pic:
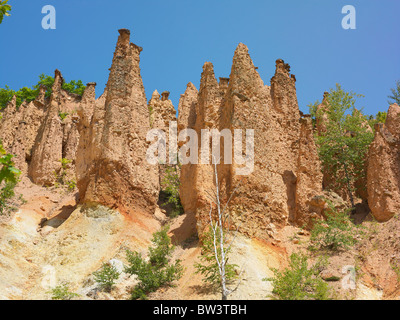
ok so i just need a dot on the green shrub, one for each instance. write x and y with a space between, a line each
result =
62 292
61 176
157 271
71 185
162 249
63 115
335 233
6 193
106 276
8 178
170 186
298 281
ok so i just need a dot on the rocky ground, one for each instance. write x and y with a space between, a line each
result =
50 241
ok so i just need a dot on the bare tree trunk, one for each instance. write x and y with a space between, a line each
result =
221 261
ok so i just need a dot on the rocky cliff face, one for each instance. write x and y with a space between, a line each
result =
42 132
383 173
162 117
309 176
187 120
116 173
57 136
105 139
274 189
284 148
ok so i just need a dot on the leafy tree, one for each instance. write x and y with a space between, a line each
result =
4 9
343 146
8 178
30 94
298 281
73 86
155 272
395 96
106 276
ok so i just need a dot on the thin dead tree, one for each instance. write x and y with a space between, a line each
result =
220 237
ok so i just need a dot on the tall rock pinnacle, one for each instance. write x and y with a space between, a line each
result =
383 173
119 175
270 194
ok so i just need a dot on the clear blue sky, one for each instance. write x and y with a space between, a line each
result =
178 36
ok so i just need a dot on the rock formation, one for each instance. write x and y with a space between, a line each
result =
117 174
187 108
383 174
207 116
106 140
187 120
9 125
161 110
42 132
57 137
32 116
321 116
88 127
162 113
270 195
309 175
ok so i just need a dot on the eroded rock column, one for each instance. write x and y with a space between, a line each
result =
120 176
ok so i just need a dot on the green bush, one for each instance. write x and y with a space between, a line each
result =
106 276
298 281
62 292
6 193
71 185
335 233
63 115
170 186
61 176
8 178
157 271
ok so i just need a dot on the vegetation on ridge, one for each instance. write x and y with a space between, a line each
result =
30 94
